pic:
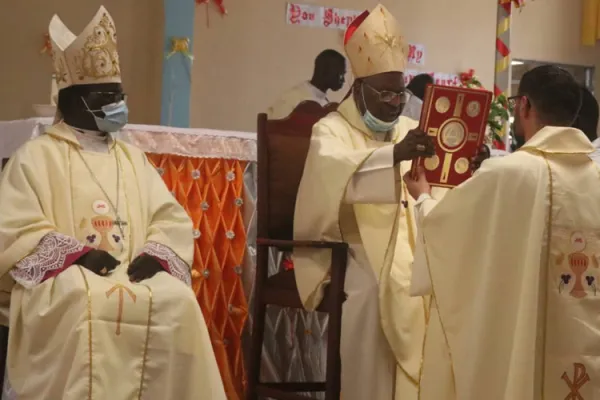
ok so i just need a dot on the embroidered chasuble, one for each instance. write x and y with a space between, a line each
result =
74 334
511 258
382 326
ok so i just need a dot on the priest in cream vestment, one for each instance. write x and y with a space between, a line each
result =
100 251
352 191
511 259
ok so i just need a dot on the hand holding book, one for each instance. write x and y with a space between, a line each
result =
455 119
415 144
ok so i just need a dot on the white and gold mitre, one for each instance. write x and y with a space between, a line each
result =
89 58
374 44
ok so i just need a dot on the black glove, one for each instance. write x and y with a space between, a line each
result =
143 267
98 261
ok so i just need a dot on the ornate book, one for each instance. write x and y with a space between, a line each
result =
456 118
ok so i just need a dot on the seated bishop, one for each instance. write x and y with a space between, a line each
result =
351 190
95 250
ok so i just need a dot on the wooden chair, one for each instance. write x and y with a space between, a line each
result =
282 149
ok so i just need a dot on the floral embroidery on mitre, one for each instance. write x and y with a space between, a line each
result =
177 267
89 58
50 255
99 57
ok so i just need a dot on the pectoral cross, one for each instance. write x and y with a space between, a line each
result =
121 225
119 222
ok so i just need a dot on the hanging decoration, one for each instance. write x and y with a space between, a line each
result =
499 110
180 45
503 56
515 3
219 3
47 47
220 7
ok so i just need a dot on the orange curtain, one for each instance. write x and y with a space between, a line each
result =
211 190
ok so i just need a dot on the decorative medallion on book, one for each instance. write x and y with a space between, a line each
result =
456 119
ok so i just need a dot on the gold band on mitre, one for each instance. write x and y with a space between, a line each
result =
374 44
91 57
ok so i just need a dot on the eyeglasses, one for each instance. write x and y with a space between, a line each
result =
513 101
386 96
103 98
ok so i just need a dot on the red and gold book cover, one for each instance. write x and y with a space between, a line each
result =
456 118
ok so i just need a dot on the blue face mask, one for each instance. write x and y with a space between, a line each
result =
374 123
377 125
115 116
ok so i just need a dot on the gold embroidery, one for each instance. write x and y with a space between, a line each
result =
99 57
60 71
121 289
549 223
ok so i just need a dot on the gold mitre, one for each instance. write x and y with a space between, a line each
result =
89 58
374 44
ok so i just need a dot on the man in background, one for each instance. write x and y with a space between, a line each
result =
511 261
329 74
416 92
587 121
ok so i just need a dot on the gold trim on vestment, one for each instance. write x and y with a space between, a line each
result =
426 312
145 354
548 242
89 320
434 299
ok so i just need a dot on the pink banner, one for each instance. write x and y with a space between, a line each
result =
336 18
440 78
304 15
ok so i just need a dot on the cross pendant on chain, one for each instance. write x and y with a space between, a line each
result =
119 222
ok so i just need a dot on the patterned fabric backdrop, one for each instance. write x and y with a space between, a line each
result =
220 196
211 190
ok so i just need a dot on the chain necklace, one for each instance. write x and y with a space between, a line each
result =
118 221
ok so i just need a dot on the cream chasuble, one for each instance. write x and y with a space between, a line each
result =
79 335
382 326
512 257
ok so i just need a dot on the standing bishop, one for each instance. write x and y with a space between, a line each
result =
352 191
